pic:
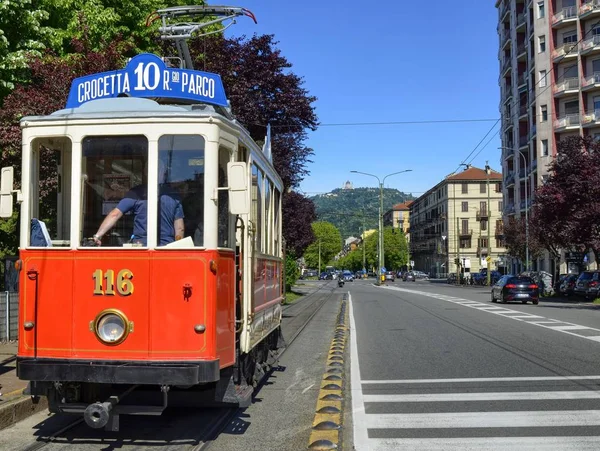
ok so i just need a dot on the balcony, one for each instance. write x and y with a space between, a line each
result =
466 232
590 8
509 209
521 52
521 20
533 132
591 82
591 118
482 250
533 166
523 112
505 65
510 178
523 140
504 9
482 215
566 87
507 153
522 80
564 51
504 37
567 122
591 45
564 17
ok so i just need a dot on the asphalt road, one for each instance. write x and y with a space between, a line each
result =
439 367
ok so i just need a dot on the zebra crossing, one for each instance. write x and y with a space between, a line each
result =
577 330
490 413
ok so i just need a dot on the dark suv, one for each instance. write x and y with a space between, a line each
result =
587 284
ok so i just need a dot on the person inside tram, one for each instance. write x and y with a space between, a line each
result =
170 213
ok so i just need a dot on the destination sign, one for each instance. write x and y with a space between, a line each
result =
146 75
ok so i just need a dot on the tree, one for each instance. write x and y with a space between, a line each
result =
330 244
515 238
298 214
22 34
395 248
566 211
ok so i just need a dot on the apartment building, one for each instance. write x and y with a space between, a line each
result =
399 218
459 218
549 89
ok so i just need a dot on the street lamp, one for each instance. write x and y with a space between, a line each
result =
526 206
380 241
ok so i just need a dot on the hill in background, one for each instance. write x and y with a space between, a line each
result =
347 208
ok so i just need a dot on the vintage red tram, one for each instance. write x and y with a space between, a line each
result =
198 314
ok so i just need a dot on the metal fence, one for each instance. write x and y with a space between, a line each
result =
9 316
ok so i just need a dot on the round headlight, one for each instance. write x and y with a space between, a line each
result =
111 327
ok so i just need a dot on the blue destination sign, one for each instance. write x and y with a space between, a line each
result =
146 75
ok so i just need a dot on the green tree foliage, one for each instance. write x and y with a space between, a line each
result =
353 261
348 209
22 33
331 244
291 272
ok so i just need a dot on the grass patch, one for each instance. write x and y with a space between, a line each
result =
291 297
596 301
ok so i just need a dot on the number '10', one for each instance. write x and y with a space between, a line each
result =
143 77
124 285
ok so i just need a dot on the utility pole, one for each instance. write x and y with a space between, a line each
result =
457 252
319 257
489 221
381 259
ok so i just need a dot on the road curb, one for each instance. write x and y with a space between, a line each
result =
327 423
18 409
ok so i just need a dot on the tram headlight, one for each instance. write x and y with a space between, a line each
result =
111 327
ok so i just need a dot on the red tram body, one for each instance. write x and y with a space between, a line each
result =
200 316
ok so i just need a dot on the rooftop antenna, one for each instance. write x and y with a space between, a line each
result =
179 23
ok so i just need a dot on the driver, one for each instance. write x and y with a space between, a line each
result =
170 213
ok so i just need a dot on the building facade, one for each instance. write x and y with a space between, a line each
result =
399 218
549 53
459 218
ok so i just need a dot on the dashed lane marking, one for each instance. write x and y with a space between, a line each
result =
552 324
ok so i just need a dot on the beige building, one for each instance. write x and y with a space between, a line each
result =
549 89
459 218
399 218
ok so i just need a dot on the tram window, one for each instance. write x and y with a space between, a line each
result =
224 225
268 222
181 182
115 172
257 207
50 192
276 207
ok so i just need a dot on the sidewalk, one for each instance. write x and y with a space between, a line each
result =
14 405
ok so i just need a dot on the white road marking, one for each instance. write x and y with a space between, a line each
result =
518 419
483 379
499 396
308 388
486 444
559 326
359 418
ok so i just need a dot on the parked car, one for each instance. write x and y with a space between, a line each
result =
516 288
567 286
390 276
583 282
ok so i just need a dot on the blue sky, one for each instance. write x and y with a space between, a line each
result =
389 61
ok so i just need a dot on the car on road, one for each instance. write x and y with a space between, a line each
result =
409 276
390 275
515 288
347 276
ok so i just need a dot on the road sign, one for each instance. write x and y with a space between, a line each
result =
488 259
383 270
412 263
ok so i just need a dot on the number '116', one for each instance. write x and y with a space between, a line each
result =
123 284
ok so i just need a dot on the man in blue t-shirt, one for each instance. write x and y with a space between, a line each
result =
170 215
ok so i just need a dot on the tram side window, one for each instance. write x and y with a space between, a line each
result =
115 187
268 219
257 206
181 188
276 208
50 192
224 226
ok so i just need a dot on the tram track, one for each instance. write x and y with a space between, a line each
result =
305 312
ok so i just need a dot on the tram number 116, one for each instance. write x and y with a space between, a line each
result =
123 285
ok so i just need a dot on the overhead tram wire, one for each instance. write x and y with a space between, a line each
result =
478 144
348 124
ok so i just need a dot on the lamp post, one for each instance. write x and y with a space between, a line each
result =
526 207
380 241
